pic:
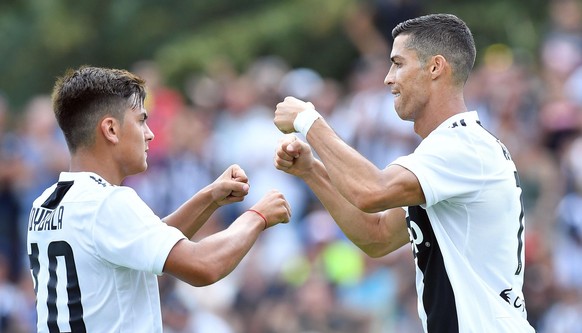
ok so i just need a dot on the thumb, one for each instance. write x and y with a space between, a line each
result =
294 148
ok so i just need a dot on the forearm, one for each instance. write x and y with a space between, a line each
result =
214 257
365 230
192 215
354 177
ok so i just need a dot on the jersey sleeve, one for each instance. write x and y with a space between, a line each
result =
446 166
128 233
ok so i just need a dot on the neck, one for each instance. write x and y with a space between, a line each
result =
439 110
88 161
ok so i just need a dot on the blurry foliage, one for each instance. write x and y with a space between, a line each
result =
304 32
40 39
518 23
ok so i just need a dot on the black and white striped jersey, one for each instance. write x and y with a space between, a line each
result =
468 238
95 250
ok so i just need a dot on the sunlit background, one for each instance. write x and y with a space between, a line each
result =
215 71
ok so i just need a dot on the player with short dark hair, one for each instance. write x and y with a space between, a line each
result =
463 213
95 247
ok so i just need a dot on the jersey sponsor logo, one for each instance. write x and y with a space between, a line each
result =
512 299
42 219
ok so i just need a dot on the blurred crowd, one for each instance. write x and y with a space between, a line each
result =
305 276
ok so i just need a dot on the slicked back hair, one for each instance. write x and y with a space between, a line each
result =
82 97
441 34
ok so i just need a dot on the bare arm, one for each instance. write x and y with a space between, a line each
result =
376 234
356 179
212 258
231 186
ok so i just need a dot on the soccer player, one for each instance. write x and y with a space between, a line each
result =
95 247
456 199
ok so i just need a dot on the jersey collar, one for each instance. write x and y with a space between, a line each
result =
461 119
84 176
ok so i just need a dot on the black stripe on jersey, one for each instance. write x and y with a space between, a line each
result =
55 199
63 249
438 297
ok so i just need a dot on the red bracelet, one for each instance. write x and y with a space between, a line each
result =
261 215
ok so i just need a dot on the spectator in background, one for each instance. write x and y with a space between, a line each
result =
41 154
562 314
244 132
13 303
387 14
504 89
10 167
568 249
188 153
381 135
162 102
165 103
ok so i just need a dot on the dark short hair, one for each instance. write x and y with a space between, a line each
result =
441 34
82 97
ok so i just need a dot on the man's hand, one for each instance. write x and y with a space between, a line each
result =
231 186
293 156
274 207
287 111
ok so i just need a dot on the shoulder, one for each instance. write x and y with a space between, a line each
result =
460 136
122 197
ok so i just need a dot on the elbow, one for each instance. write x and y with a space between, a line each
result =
380 249
368 208
367 202
202 275
374 252
211 273
203 279
376 199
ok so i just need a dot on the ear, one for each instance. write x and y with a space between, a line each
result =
110 129
438 66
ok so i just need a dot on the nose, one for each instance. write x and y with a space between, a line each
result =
149 135
389 79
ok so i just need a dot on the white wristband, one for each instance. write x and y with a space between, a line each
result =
304 120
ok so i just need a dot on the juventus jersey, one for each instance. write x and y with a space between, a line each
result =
468 238
95 250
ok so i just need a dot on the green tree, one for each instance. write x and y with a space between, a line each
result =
40 39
